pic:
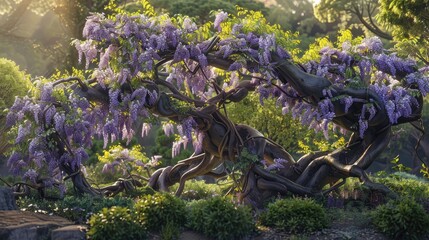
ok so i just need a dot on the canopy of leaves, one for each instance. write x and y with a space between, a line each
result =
409 23
351 12
201 9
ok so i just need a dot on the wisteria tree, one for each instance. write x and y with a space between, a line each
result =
145 67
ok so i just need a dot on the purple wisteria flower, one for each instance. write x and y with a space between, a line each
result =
348 102
114 97
236 28
394 65
155 160
38 158
97 27
188 25
363 126
31 175
282 53
145 129
124 75
175 150
277 164
235 66
168 129
46 94
181 53
421 80
220 17
266 43
198 142
14 158
264 93
188 125
326 109
23 131
373 45
105 57
49 114
109 168
88 49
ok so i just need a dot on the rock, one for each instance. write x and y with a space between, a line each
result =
7 199
73 232
19 225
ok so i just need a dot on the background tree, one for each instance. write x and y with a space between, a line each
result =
41 31
201 9
298 16
409 23
352 12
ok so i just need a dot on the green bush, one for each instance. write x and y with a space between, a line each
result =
406 185
198 189
219 218
115 223
160 210
13 83
295 215
401 219
77 209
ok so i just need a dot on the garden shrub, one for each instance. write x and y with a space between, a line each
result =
295 215
115 223
406 185
74 208
198 189
219 218
13 83
401 219
160 210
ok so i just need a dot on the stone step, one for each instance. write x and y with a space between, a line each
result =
19 225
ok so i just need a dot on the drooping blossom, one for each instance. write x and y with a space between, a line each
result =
220 17
188 124
145 129
277 164
23 131
168 129
31 175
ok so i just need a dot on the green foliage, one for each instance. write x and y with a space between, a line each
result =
77 209
163 145
313 52
401 219
219 218
115 223
121 162
408 21
201 8
399 167
298 16
195 190
351 14
13 83
295 215
160 210
282 129
406 185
